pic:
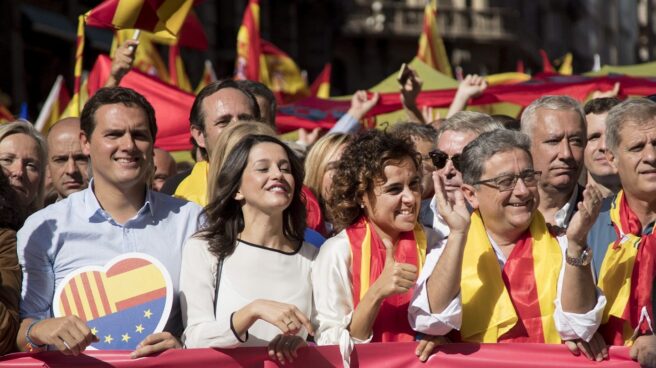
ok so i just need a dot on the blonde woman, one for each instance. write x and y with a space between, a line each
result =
23 158
320 165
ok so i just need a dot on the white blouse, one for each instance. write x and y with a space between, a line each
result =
251 272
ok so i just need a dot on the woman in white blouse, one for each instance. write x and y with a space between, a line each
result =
364 277
254 237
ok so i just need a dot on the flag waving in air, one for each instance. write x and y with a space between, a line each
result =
321 86
431 47
249 50
162 17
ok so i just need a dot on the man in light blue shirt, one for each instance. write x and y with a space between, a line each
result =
117 214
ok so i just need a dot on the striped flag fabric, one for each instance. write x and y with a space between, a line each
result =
321 86
431 46
281 74
54 106
162 17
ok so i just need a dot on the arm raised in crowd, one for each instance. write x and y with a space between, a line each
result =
360 106
410 88
471 86
122 62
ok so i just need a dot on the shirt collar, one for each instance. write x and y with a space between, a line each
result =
92 206
563 215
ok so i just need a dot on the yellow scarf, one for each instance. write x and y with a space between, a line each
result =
488 311
194 187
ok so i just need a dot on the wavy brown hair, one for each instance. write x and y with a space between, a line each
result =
361 169
223 217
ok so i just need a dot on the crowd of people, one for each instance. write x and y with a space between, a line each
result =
472 228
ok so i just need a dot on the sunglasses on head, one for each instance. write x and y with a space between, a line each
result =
440 158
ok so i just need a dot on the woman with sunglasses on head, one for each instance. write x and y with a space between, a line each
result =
245 278
514 268
363 278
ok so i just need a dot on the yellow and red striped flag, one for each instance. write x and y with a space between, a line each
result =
54 106
208 77
431 46
161 17
321 86
249 50
77 72
177 72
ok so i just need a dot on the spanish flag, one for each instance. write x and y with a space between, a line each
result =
54 106
431 47
162 17
249 51
281 74
321 86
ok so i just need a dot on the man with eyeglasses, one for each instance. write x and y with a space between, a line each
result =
452 136
509 282
556 126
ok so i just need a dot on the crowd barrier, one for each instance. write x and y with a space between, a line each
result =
367 355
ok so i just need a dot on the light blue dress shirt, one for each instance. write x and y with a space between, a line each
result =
76 232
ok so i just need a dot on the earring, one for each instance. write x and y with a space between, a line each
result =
361 205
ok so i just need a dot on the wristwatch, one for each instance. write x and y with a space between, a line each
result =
581 261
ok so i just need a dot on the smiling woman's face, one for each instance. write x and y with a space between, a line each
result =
19 158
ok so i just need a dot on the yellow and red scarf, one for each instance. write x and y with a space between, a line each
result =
194 187
626 277
515 304
368 260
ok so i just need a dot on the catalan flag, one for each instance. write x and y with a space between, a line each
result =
208 77
122 305
54 106
321 86
431 46
162 17
248 44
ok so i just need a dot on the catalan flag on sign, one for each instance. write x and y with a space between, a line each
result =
121 305
431 46
321 86
161 17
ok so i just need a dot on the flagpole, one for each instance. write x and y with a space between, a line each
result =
135 36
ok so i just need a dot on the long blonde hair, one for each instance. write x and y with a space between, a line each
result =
25 127
317 160
226 141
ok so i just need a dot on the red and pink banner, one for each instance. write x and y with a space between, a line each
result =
366 355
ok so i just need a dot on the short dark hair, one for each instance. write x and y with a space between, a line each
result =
409 130
115 95
600 105
224 219
259 89
362 166
197 116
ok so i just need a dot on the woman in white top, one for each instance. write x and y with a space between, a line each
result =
255 225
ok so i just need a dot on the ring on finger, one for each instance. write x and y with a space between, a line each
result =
290 322
66 344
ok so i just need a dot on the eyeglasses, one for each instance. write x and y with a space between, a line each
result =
440 158
505 183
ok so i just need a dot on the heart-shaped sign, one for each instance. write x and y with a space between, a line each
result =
122 302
